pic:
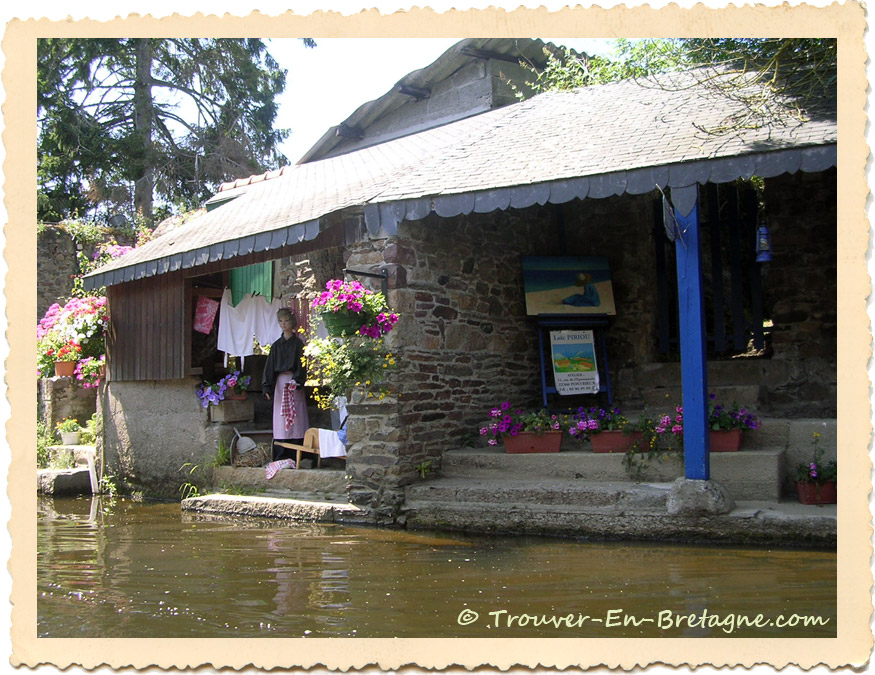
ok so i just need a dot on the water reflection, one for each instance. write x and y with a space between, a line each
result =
146 570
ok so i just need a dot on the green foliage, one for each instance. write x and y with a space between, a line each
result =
68 425
190 488
92 429
44 440
817 471
424 468
107 486
773 79
222 456
111 134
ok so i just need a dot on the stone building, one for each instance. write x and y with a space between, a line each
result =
446 212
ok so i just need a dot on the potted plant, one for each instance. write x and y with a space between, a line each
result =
68 429
348 308
82 322
725 424
232 386
607 429
816 480
66 357
339 365
90 370
523 431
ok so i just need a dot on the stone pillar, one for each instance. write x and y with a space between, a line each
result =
61 397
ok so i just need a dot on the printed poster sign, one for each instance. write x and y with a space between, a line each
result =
574 364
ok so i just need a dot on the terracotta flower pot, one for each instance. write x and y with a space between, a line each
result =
529 441
816 493
726 441
65 368
234 396
614 440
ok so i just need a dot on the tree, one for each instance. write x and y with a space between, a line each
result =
770 77
122 121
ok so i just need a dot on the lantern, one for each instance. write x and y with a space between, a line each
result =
764 244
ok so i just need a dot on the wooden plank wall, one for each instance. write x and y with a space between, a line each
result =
146 338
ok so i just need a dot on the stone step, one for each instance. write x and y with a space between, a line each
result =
542 492
747 474
305 483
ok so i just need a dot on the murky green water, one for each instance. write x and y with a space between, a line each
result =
147 570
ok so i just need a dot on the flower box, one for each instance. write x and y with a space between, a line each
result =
614 440
529 441
233 411
816 493
728 440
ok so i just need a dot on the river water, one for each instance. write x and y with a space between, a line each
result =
148 570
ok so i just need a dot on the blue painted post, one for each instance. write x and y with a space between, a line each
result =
694 369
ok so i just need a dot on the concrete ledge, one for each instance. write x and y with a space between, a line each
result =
749 523
329 482
273 507
63 481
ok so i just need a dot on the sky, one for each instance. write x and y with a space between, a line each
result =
326 84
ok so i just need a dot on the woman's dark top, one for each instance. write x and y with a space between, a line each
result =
285 356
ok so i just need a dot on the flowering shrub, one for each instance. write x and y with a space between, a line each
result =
67 425
586 422
214 393
817 471
338 365
88 370
504 419
71 332
352 297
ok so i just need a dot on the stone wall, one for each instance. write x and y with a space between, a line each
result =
57 265
60 397
800 287
157 427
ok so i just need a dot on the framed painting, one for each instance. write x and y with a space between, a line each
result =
568 285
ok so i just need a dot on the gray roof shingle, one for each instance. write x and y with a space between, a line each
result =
610 139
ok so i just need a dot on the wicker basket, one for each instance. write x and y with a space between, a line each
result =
259 456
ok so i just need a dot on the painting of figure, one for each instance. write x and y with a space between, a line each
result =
568 285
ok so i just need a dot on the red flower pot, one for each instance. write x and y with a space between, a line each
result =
234 396
726 441
614 440
816 493
529 441
65 368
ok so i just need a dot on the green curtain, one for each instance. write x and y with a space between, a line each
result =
256 279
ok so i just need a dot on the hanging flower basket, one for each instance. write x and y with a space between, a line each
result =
341 323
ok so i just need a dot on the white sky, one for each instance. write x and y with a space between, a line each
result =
326 84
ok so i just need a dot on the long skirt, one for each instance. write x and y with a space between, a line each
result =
301 421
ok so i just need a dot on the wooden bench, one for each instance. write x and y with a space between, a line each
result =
310 445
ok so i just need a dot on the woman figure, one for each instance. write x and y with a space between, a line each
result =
283 380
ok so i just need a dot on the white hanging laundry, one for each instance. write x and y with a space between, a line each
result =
267 328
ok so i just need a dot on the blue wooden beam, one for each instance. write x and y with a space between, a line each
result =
694 369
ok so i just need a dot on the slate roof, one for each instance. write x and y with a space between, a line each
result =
592 142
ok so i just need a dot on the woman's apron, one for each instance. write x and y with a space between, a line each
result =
290 418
